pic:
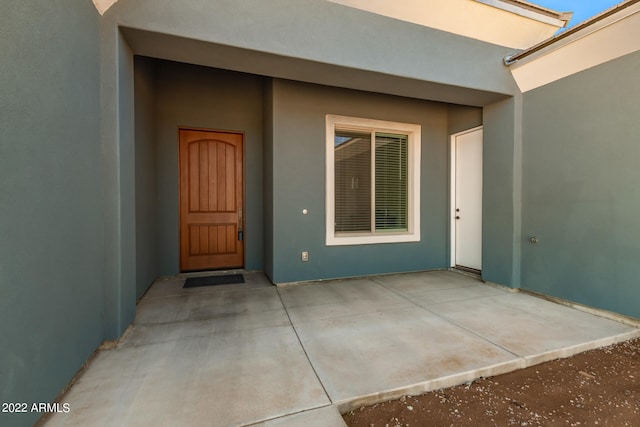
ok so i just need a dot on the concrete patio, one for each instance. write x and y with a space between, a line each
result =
259 355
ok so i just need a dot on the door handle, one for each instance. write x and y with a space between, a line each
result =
240 232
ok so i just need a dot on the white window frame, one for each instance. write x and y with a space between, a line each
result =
413 133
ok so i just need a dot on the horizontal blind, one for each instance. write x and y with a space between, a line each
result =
391 189
352 181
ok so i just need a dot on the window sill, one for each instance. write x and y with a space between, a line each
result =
370 239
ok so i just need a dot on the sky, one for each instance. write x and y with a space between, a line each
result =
582 9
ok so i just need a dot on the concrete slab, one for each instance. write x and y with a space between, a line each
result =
322 417
233 379
143 334
417 282
338 298
473 291
526 325
366 354
202 305
172 286
254 354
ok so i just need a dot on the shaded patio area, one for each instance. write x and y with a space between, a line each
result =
256 354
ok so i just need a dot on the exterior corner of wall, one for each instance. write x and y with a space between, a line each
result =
51 217
579 193
501 194
268 179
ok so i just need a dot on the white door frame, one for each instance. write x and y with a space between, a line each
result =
452 191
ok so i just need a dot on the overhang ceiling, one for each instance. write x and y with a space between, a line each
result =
168 47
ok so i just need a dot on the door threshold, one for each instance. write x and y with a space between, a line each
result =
201 273
468 271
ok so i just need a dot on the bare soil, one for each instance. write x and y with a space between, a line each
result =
599 387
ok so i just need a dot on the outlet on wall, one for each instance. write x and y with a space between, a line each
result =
305 256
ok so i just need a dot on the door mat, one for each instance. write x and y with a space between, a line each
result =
228 279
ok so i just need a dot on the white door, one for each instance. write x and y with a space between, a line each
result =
467 199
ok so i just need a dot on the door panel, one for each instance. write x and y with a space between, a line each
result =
468 199
211 198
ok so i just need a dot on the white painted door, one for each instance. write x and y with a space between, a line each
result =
467 208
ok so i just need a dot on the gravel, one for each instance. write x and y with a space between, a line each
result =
596 388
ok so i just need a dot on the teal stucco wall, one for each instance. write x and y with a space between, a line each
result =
88 156
146 175
268 173
581 199
501 197
51 208
462 118
314 41
298 174
319 42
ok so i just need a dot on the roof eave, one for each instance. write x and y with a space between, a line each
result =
531 11
589 23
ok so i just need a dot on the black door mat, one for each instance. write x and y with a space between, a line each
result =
228 279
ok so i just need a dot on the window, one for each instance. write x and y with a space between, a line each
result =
373 181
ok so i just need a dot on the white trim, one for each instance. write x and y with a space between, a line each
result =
452 200
413 131
603 41
452 191
527 13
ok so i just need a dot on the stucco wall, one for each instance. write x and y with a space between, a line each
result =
305 40
309 40
268 177
461 118
581 197
51 209
501 198
200 97
146 174
299 183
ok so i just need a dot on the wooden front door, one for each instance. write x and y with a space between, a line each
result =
211 200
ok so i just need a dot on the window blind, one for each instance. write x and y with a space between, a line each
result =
352 181
391 189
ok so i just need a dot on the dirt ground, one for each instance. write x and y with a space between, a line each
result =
599 387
